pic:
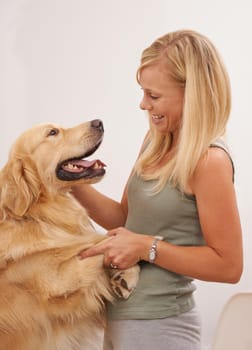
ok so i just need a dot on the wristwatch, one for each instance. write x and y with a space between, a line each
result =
153 249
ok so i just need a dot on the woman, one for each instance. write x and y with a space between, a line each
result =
178 216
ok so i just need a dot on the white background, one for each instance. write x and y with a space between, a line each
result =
68 61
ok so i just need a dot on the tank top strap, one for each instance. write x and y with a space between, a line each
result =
220 143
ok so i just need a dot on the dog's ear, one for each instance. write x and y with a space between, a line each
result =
20 186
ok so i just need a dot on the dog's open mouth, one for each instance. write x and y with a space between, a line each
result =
78 168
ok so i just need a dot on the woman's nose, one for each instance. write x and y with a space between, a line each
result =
145 105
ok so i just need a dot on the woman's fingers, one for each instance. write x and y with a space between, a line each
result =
96 250
113 232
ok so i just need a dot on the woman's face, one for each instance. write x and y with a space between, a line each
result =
162 98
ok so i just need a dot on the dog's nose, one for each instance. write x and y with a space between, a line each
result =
97 124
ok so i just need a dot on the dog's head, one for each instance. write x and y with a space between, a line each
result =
49 158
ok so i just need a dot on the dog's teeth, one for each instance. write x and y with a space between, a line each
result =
96 166
71 166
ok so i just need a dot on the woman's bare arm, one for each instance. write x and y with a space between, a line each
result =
105 211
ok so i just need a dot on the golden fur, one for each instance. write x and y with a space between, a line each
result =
49 298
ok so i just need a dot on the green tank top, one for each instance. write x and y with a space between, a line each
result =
173 215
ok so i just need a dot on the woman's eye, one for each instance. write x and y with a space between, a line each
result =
53 132
153 97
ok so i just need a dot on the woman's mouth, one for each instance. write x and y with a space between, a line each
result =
157 118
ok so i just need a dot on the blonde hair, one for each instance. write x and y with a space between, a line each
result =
193 62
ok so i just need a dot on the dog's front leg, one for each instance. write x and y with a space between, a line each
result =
124 282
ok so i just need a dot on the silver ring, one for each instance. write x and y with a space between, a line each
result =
113 266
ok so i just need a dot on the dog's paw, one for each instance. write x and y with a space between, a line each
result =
123 282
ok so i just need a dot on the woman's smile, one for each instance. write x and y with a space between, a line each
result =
157 119
163 98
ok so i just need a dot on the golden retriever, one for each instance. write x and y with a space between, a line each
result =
49 298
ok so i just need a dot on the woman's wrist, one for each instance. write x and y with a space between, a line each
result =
149 248
153 250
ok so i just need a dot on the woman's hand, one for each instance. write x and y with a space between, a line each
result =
122 249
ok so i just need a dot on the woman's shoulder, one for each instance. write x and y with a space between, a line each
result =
215 166
221 144
215 159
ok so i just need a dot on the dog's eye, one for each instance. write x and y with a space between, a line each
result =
53 132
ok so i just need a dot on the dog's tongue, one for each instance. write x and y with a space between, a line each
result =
84 163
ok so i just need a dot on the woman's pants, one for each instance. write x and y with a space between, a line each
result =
180 332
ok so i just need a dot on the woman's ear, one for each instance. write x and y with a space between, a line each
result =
20 186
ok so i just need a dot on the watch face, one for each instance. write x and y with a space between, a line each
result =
152 255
